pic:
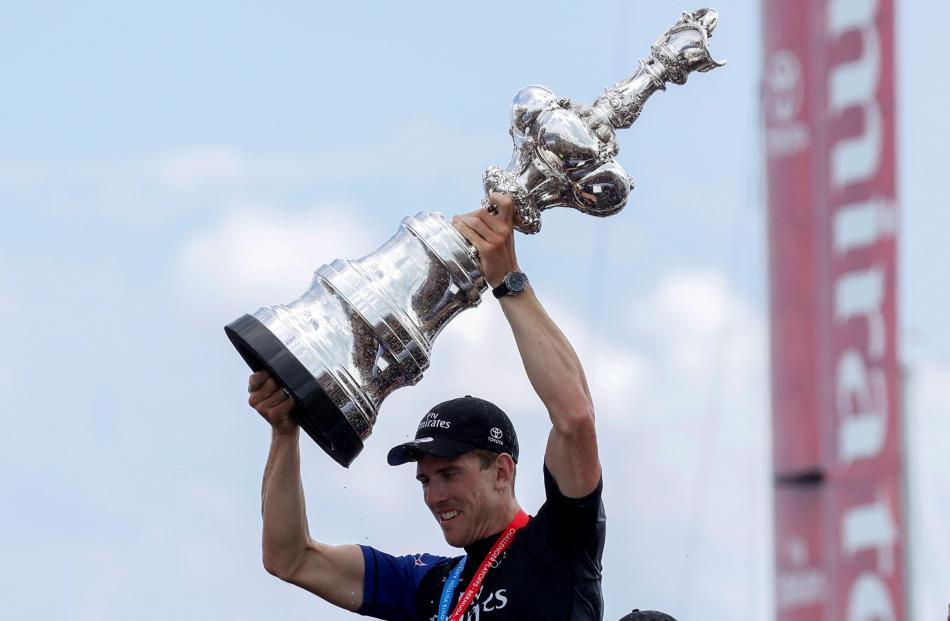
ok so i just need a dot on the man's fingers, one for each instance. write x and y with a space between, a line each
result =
264 392
284 407
270 385
256 380
277 397
479 224
469 233
505 205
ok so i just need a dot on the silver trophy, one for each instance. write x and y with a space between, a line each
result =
366 327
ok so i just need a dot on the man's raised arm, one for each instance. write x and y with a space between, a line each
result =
550 362
335 573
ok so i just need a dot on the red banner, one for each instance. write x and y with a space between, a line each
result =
801 590
791 98
830 142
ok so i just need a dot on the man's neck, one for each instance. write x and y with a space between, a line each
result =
481 546
504 518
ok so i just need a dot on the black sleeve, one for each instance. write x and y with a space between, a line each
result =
570 532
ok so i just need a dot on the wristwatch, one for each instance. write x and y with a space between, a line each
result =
514 283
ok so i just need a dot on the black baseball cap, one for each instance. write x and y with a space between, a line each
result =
456 427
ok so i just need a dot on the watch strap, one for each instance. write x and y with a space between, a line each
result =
503 289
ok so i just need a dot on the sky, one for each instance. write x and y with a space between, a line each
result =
165 169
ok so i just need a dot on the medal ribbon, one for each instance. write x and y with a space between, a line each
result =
504 540
450 583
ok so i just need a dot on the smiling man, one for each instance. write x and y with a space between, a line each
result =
466 453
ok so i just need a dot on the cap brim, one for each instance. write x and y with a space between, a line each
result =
412 451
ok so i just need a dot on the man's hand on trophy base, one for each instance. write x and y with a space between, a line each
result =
271 401
492 235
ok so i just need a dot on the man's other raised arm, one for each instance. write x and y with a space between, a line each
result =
549 360
334 573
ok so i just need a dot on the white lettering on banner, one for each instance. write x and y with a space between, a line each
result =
854 85
861 382
862 224
802 584
861 293
870 600
862 406
799 589
786 134
871 527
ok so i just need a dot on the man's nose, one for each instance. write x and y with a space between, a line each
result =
435 493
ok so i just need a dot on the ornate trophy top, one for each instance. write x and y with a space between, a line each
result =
564 152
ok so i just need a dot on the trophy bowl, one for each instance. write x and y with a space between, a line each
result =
364 328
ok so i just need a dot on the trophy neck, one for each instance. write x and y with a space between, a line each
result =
621 104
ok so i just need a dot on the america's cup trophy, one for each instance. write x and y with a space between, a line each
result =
366 327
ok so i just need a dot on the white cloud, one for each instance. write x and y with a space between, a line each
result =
619 381
259 256
690 486
698 321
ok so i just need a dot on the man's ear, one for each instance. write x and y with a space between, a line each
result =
504 471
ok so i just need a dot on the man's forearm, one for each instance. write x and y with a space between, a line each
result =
557 376
286 535
550 362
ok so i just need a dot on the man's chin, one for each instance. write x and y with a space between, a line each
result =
454 539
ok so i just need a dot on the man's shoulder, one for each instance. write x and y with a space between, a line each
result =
426 562
416 565
567 533
590 505
386 572
391 583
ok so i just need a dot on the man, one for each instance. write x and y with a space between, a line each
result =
465 450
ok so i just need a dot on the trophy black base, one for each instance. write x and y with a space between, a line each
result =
315 412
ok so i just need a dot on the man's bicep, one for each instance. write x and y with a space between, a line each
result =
334 573
573 461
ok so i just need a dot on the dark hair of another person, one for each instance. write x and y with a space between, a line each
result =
647 615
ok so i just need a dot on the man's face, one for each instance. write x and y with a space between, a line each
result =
462 497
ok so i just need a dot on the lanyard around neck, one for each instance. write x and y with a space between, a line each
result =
504 540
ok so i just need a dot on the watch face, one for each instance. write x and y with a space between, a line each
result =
516 281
